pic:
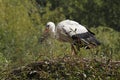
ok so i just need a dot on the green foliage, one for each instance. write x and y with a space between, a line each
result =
109 39
22 23
18 30
91 12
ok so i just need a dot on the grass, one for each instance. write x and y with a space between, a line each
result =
21 26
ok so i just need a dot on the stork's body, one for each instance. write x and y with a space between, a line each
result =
68 28
74 33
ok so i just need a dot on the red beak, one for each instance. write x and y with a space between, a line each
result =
46 30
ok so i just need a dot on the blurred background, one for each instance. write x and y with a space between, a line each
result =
22 23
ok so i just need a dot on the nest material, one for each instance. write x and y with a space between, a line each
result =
67 68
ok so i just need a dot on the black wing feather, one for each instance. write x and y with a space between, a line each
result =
85 39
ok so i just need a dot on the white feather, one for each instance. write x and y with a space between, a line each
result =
71 27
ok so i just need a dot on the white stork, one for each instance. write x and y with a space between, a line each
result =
74 33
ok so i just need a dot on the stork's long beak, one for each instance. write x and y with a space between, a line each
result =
44 35
46 30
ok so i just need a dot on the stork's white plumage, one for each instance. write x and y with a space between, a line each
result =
74 33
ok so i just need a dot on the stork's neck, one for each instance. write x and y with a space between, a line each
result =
53 31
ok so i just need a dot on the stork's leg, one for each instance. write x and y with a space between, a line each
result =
73 50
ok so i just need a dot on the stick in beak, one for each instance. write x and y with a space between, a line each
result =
45 35
46 30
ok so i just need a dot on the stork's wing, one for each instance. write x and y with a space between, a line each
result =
78 33
71 27
90 32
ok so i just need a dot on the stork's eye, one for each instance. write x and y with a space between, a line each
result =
47 25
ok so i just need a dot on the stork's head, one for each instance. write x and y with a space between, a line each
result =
50 27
